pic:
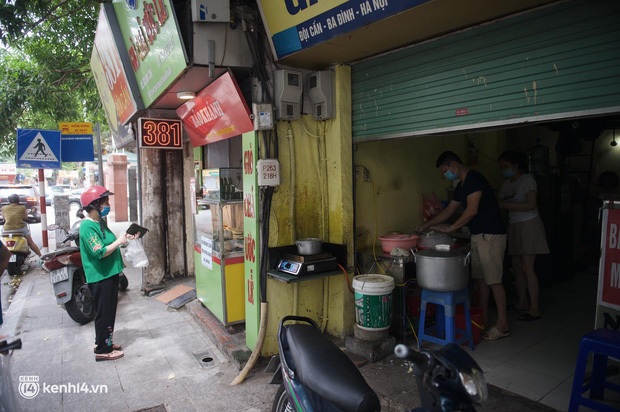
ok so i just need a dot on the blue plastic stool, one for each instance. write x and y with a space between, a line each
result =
444 317
602 343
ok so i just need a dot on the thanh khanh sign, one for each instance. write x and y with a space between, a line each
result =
294 25
153 42
216 113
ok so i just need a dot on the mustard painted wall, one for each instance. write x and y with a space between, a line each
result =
314 199
404 169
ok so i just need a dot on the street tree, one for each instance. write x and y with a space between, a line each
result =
45 66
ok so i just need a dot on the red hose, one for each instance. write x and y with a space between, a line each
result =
347 275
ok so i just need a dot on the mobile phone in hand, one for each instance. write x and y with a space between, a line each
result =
136 229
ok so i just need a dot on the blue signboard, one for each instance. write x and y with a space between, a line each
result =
38 149
299 25
77 148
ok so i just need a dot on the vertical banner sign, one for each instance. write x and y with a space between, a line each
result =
76 142
115 77
250 233
122 135
153 42
608 308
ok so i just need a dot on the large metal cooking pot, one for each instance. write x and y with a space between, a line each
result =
309 246
442 269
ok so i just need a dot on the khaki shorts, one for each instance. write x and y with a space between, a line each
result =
487 257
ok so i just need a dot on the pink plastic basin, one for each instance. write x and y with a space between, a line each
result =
389 242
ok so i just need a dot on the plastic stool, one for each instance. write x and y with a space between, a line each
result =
444 317
602 343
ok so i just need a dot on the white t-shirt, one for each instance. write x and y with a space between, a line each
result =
514 192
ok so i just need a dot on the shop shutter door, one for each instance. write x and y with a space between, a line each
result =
557 62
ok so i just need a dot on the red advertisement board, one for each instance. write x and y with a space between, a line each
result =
609 279
115 76
218 112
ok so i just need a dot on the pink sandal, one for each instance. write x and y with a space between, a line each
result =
115 354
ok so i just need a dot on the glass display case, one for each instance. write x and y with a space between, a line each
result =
222 223
218 239
223 184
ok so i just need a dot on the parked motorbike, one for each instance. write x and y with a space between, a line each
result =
17 244
315 375
448 378
68 279
8 396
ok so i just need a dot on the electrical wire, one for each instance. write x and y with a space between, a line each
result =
348 281
415 335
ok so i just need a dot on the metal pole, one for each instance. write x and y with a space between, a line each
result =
99 151
45 248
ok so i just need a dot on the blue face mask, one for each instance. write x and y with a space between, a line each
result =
449 175
508 173
105 211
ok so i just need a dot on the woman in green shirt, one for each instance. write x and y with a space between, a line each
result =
102 262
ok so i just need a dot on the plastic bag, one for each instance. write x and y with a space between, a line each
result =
430 207
135 254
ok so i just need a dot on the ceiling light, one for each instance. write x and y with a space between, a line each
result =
186 95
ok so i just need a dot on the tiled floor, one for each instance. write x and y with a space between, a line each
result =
538 360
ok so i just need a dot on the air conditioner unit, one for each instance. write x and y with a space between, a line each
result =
211 11
320 90
288 94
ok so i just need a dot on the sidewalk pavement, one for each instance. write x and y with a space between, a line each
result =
160 366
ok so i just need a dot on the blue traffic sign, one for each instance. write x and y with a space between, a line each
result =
77 148
38 149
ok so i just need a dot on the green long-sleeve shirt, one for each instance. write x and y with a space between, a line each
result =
92 248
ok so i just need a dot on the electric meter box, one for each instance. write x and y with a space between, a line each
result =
263 116
320 90
289 89
268 172
211 11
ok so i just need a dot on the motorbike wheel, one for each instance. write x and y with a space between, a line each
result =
14 268
281 402
81 307
123 283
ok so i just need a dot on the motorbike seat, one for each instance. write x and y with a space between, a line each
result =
324 369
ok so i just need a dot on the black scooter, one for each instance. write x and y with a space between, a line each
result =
315 375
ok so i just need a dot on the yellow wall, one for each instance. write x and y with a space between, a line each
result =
314 199
402 170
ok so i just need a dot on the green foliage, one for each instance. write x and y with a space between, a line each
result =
45 66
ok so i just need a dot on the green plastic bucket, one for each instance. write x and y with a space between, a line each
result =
373 301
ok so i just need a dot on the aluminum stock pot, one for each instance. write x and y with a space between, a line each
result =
309 246
442 269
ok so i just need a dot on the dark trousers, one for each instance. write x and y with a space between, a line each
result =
105 299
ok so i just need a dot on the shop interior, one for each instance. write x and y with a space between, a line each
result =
576 165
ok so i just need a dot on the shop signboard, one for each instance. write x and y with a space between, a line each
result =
114 74
218 112
153 42
251 241
76 141
295 25
122 135
608 309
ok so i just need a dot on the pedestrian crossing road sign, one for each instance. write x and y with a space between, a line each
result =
38 149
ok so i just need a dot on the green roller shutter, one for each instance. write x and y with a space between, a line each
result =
557 62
